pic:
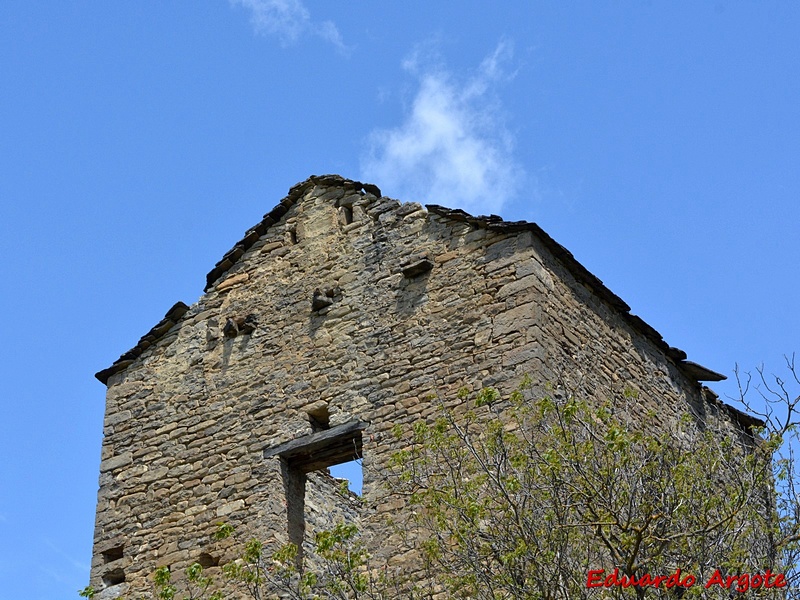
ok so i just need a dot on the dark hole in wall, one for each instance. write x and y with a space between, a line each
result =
347 213
293 236
112 554
206 560
319 417
114 577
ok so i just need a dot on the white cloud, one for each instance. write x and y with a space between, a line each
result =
79 565
452 147
289 20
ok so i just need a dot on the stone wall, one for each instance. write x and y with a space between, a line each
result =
344 306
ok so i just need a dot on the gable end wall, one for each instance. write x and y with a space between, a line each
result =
188 420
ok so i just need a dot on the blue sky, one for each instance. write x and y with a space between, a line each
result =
659 142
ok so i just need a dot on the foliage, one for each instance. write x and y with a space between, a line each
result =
521 498
196 585
341 570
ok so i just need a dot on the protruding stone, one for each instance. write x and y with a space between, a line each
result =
248 325
320 300
231 281
417 267
240 325
231 329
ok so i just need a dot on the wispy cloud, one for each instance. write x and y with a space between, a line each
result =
452 147
289 20
77 564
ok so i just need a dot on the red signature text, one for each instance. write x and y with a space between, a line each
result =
598 578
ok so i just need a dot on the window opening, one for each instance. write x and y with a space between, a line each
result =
315 452
352 472
319 416
205 560
347 214
112 554
114 577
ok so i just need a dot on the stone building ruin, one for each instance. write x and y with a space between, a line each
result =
330 322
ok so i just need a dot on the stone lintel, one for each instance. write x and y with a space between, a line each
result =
322 449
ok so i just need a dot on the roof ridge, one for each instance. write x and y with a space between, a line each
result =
296 192
589 279
491 222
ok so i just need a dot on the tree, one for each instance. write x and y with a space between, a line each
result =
776 401
522 498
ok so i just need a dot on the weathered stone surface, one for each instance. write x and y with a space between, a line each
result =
191 411
516 319
230 507
267 248
115 462
232 281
